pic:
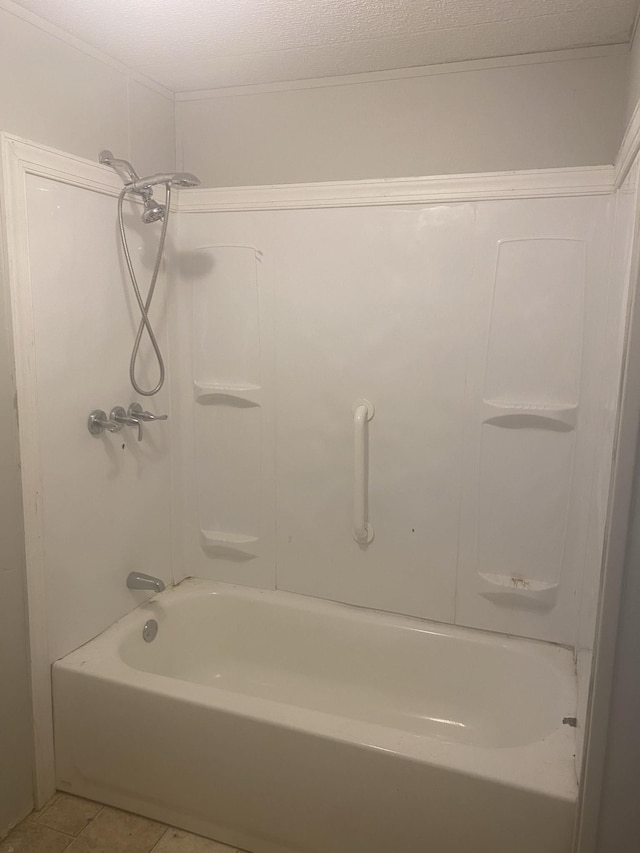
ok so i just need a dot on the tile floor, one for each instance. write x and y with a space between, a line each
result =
80 826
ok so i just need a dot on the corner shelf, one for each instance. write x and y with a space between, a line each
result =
508 587
217 537
233 395
228 546
561 418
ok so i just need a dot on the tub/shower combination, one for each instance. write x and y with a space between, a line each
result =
285 724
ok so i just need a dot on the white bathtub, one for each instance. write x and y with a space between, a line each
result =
284 724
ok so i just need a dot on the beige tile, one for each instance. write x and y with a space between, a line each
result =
30 837
37 813
69 814
178 841
114 831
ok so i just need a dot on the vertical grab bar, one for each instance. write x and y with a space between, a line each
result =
363 411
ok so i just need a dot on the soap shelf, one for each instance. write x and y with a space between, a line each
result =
217 537
508 587
232 395
561 418
228 546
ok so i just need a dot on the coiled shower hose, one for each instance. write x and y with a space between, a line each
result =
145 305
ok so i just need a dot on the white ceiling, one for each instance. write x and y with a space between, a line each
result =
187 45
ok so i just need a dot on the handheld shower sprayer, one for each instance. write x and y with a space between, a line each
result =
133 183
153 211
178 179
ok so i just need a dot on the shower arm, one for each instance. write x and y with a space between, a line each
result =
123 167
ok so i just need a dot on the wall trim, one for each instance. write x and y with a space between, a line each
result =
19 159
32 158
614 558
597 52
629 148
537 183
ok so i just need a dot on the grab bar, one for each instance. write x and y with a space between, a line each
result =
363 411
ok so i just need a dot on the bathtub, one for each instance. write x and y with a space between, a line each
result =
280 723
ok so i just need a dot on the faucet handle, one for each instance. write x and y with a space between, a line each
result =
119 415
135 410
98 422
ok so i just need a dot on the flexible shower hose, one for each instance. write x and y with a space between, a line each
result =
145 305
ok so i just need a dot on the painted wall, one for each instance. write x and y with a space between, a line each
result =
632 94
449 120
619 826
55 92
16 795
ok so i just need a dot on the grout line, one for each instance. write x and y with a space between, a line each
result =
160 839
45 809
95 817
59 831
62 832
71 838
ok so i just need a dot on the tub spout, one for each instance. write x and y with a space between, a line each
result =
138 580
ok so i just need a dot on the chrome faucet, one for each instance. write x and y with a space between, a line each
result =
138 580
134 416
136 412
119 416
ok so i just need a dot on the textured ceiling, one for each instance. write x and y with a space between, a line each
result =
201 44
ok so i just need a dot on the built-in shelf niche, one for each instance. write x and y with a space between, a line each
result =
523 504
529 415
534 347
528 418
228 404
226 394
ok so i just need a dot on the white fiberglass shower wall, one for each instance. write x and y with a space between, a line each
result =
475 329
473 314
94 510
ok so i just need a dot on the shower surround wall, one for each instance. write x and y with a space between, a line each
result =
95 508
475 329
286 306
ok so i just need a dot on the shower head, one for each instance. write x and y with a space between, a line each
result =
176 179
153 210
133 183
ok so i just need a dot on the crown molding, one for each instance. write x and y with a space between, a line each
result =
514 61
538 183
